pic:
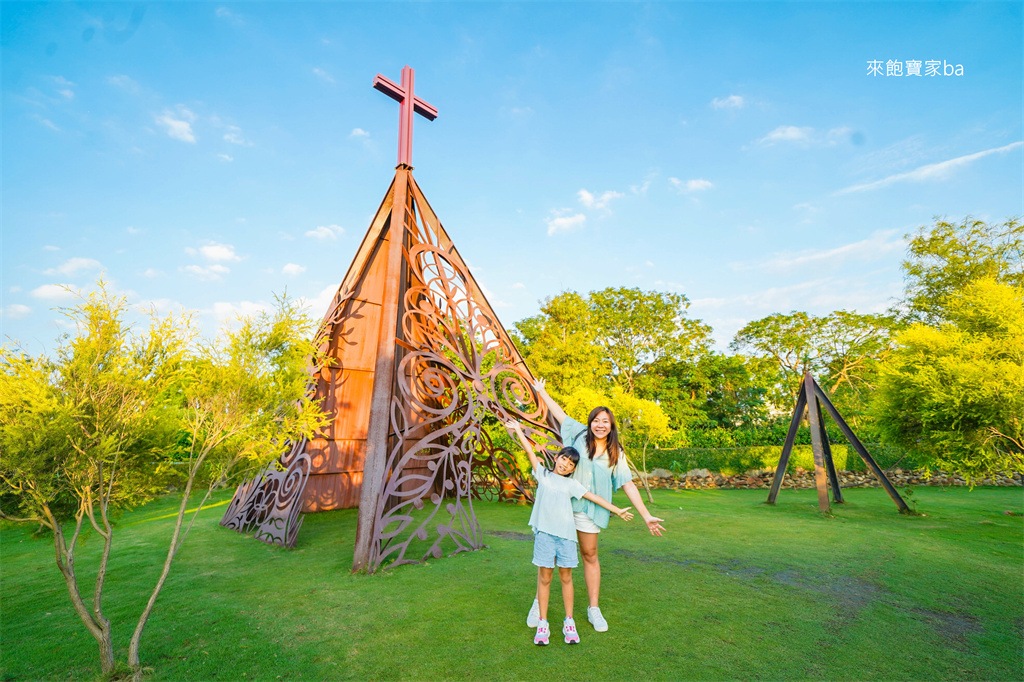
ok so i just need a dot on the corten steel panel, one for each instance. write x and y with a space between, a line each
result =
335 456
345 386
325 492
354 339
352 390
371 285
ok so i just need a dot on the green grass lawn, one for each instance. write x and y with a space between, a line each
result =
735 590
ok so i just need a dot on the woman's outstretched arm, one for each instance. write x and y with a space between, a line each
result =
554 409
653 522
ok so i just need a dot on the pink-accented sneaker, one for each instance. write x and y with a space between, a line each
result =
569 630
543 632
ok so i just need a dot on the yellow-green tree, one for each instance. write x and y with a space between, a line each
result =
99 426
85 433
954 392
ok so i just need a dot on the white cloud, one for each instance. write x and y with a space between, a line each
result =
873 248
932 171
209 273
228 15
326 232
53 292
640 188
597 202
359 133
50 247
788 134
225 311
133 230
730 102
518 285
807 136
318 306
73 266
292 269
226 157
234 136
61 80
179 128
521 112
323 75
152 272
215 252
123 82
837 135
697 185
559 221
15 289
46 122
16 311
68 94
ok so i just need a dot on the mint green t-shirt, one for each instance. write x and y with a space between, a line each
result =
552 505
595 474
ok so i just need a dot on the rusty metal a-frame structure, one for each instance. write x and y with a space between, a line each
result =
412 361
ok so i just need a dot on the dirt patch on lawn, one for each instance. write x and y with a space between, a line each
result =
954 628
509 535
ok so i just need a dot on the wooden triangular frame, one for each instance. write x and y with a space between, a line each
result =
811 397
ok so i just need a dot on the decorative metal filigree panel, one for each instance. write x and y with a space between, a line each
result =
269 504
456 370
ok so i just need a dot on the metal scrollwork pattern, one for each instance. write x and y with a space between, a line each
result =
457 371
269 504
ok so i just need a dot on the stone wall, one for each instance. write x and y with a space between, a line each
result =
801 479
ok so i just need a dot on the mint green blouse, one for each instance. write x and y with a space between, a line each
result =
595 475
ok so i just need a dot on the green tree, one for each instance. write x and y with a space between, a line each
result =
842 349
715 390
246 397
637 329
947 257
78 437
955 392
99 427
558 344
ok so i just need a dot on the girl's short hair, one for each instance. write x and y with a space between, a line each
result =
572 453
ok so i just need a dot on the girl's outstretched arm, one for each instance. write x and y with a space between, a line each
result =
554 409
623 514
516 430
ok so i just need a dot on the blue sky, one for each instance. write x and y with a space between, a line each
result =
210 155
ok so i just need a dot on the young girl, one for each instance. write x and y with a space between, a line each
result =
554 531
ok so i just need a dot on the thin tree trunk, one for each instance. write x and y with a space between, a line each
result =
644 464
65 558
177 538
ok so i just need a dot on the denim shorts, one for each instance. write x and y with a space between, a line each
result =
550 551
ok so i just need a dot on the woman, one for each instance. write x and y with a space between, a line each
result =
602 469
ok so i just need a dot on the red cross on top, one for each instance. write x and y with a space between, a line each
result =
404 95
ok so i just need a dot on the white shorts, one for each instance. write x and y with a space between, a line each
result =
584 523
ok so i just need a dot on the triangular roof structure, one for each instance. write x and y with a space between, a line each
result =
411 361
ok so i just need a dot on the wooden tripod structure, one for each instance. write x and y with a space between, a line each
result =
810 398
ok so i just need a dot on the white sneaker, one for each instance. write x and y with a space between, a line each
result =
533 618
596 619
